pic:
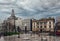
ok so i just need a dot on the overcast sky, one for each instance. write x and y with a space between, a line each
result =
30 8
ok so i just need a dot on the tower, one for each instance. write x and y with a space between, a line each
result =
12 14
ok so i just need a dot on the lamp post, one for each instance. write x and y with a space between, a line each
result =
25 28
19 30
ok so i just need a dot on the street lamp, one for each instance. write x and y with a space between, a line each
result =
19 30
25 28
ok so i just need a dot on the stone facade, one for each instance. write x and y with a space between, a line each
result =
9 24
45 24
28 24
24 22
18 22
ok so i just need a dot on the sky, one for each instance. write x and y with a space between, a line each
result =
30 8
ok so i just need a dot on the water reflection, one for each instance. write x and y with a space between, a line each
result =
2 39
34 37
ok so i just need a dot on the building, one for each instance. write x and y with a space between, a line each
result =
58 19
18 23
28 24
45 24
9 24
24 22
13 22
1 31
4 26
58 24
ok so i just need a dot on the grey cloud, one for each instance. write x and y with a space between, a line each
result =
31 8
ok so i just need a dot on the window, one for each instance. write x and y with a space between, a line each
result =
49 22
40 22
50 26
37 23
40 26
44 26
37 26
44 22
34 23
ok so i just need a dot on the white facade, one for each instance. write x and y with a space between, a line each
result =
18 22
52 25
22 23
28 24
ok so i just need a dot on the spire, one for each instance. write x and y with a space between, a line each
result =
12 13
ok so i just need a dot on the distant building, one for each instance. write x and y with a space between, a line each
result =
9 24
45 24
24 22
4 26
28 24
58 24
18 22
1 28
58 19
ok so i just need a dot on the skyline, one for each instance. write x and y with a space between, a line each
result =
30 8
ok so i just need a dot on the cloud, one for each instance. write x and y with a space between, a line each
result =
30 8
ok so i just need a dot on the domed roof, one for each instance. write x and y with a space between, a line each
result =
12 15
